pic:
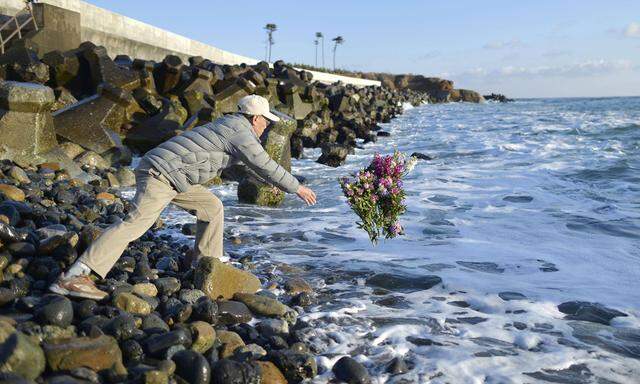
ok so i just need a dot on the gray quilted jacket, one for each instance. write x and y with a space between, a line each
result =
196 156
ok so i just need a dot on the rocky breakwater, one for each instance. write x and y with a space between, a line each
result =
163 322
113 108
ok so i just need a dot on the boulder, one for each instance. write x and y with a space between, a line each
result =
233 372
296 367
192 367
131 303
95 353
270 374
230 341
586 311
265 306
10 192
203 336
158 128
350 371
26 125
333 155
20 355
217 279
109 109
276 143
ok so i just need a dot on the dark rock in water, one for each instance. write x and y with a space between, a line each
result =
333 155
11 213
350 371
459 303
192 367
620 340
397 366
296 367
383 134
509 296
233 312
481 266
518 199
467 320
232 372
394 302
402 283
421 156
303 299
575 374
586 311
55 310
422 341
519 325
189 229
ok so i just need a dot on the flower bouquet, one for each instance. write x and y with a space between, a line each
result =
376 195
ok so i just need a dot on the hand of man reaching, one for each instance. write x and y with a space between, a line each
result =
307 195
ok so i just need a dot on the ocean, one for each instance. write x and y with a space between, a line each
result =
525 206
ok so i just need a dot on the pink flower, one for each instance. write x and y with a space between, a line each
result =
395 191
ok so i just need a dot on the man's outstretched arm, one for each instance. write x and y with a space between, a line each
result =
250 152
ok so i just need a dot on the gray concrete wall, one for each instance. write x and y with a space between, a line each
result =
124 35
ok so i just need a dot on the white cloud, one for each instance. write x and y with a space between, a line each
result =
583 69
632 30
513 43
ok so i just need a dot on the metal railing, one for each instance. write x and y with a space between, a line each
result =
13 21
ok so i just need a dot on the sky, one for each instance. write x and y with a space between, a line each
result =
541 48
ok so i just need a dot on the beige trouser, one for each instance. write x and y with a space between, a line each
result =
153 194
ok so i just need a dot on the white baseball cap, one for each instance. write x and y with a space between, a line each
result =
256 105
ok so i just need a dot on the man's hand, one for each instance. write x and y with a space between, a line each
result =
307 195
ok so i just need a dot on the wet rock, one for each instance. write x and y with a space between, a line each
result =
511 296
217 279
350 371
421 156
203 336
190 296
98 354
19 175
333 155
167 285
126 177
206 310
297 285
20 355
147 289
397 366
192 367
11 193
586 311
296 367
232 372
71 150
273 327
487 267
154 324
92 159
623 341
132 304
266 306
270 374
159 343
55 310
230 342
122 327
575 374
403 283
233 312
394 302
303 299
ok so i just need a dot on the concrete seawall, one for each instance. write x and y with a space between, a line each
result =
127 36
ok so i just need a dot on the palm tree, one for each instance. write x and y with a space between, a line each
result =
316 41
319 36
270 28
337 41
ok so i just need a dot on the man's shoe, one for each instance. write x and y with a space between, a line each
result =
77 286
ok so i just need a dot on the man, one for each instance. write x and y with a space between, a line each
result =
173 173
